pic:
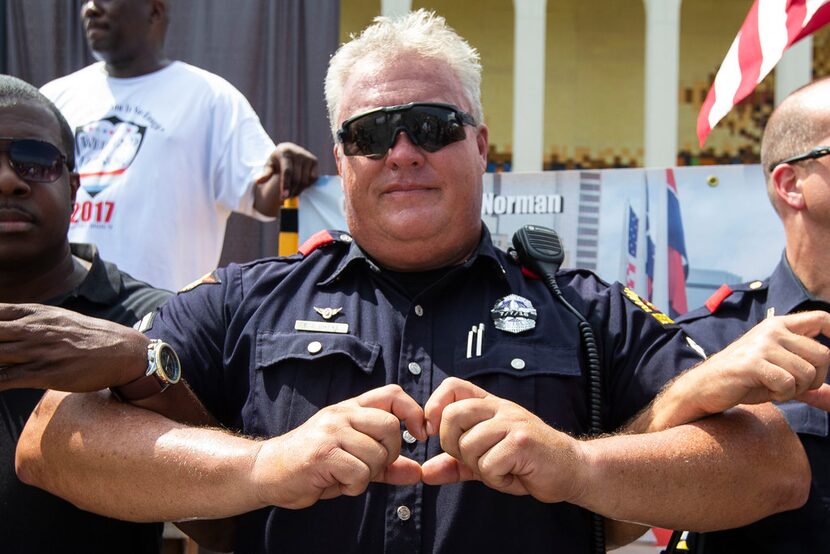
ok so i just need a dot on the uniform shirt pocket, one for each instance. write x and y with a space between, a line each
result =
544 379
519 359
273 348
297 374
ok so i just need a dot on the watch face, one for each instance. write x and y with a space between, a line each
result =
169 363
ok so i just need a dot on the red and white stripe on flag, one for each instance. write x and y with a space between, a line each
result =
769 29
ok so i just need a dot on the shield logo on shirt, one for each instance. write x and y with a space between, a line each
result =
105 149
514 314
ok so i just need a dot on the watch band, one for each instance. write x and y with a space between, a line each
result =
143 387
152 382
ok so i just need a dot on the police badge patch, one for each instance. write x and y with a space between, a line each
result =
514 314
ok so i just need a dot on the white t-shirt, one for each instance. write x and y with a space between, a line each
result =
164 159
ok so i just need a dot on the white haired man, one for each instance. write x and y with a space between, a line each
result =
312 363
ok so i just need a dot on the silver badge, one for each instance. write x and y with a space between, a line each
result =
327 313
514 314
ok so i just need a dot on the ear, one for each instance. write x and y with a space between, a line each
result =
482 142
337 157
74 185
158 11
786 186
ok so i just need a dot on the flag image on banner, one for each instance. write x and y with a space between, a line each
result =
632 264
650 248
770 27
678 262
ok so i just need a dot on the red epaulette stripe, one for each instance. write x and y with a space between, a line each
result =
315 241
715 300
527 273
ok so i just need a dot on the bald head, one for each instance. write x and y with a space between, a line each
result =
797 124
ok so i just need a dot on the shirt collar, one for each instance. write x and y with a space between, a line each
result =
485 254
786 292
102 283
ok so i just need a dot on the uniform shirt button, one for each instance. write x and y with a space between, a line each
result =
414 368
517 363
419 311
408 438
404 513
314 347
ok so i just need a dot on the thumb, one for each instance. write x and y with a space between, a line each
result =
444 469
266 173
819 398
403 471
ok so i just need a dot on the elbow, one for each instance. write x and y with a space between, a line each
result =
29 461
796 489
26 460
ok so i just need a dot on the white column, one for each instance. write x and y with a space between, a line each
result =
795 69
395 8
529 85
661 90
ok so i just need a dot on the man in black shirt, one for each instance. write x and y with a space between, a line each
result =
38 265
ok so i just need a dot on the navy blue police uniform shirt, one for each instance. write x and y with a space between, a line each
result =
242 353
730 313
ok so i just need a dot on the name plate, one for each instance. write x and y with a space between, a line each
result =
321 326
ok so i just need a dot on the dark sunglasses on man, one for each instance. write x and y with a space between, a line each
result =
430 125
33 160
815 153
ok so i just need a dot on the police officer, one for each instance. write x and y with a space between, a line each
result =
794 154
313 361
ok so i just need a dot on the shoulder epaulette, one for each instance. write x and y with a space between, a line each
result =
717 298
322 238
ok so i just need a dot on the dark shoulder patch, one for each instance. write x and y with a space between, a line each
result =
206 279
714 301
647 307
323 238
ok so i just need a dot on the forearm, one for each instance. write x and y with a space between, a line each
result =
677 404
721 472
132 464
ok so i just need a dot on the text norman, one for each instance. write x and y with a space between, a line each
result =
521 204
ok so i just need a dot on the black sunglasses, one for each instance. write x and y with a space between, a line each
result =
815 153
430 125
35 161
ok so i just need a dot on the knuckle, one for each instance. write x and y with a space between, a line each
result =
393 388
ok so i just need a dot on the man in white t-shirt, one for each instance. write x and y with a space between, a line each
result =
166 151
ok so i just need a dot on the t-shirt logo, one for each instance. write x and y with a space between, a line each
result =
105 149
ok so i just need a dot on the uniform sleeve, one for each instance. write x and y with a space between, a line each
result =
239 149
640 349
194 323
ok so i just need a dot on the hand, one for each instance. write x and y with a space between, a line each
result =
498 442
45 347
292 167
778 359
340 450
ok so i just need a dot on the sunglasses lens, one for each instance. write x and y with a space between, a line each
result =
368 135
430 127
36 161
434 128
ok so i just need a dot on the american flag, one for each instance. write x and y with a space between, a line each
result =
650 249
633 236
678 261
769 29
